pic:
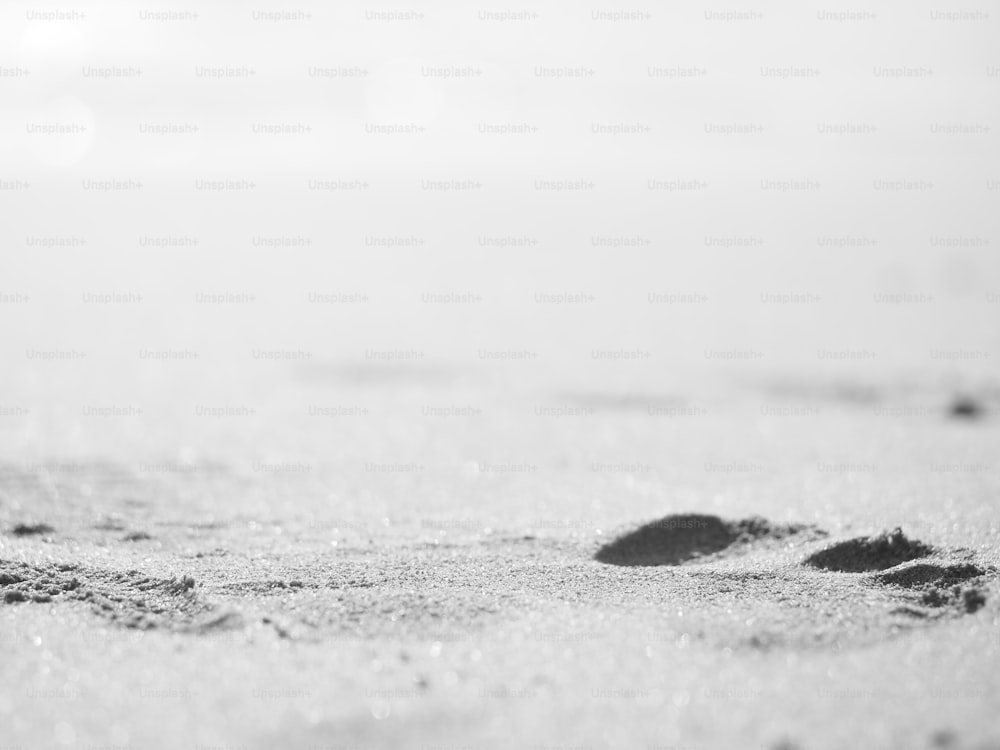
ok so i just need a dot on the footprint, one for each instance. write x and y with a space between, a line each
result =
864 554
921 574
955 585
127 598
927 587
966 407
939 582
137 536
861 584
31 529
681 538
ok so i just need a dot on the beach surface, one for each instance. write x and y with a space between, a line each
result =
457 377
467 564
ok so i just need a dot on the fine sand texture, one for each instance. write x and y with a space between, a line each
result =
544 569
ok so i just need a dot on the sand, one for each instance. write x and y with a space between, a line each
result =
609 582
550 376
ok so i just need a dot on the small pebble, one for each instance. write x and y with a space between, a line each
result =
966 408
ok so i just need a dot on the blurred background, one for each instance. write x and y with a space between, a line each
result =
215 219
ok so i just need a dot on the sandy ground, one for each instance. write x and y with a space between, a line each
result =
520 568
453 376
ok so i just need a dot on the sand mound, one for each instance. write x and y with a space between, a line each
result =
863 554
680 538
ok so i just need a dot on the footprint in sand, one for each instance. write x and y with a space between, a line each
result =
869 553
749 581
678 539
911 578
128 598
928 576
